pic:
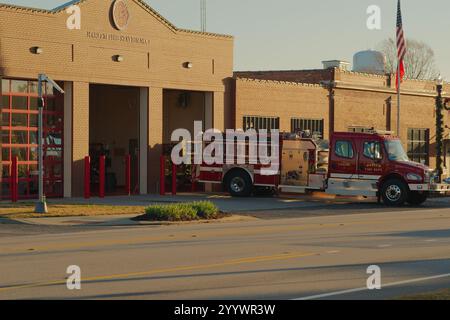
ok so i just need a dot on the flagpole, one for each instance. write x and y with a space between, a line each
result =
398 99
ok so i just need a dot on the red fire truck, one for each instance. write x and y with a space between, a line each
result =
351 164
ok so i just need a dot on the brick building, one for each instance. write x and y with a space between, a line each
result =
334 99
131 77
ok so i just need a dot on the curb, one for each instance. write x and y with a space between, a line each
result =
127 222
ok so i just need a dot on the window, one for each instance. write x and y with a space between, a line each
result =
18 117
344 149
419 145
395 150
258 123
360 129
372 150
313 125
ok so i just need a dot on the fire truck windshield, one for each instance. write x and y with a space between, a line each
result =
395 150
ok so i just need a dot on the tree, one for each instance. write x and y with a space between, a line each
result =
419 61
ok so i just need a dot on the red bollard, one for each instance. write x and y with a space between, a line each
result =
14 180
193 179
128 174
101 178
162 176
136 189
174 179
87 177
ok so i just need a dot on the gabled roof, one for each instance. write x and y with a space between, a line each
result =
142 3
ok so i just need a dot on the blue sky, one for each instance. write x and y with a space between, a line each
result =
299 34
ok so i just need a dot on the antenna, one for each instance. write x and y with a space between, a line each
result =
203 15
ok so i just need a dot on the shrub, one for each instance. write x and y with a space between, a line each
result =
171 212
182 211
206 209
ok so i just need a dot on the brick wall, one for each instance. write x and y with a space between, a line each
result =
73 55
303 76
155 138
278 99
360 100
80 135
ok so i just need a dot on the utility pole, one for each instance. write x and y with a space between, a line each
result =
41 205
398 100
203 15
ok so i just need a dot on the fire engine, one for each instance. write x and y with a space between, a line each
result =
372 164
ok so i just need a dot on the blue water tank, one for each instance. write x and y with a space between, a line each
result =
369 61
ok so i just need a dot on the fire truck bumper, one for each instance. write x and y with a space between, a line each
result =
441 188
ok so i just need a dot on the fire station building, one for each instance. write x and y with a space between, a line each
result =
131 77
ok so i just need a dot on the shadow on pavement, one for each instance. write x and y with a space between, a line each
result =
407 270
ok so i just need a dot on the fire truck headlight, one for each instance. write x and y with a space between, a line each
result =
428 175
413 177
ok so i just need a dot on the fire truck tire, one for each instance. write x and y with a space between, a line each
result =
394 192
416 198
239 183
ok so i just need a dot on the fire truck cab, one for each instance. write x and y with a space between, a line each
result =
351 164
375 164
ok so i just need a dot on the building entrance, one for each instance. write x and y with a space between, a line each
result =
114 134
181 109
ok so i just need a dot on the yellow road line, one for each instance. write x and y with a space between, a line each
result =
226 263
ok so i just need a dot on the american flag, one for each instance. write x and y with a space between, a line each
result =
401 45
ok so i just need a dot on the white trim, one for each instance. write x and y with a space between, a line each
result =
352 187
343 176
314 188
211 169
293 189
355 176
418 187
209 181
430 187
369 177
68 106
259 172
440 187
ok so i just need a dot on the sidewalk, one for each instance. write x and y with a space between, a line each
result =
225 202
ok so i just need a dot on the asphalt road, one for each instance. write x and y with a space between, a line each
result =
287 254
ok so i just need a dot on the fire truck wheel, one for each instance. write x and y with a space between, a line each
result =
239 184
394 192
416 198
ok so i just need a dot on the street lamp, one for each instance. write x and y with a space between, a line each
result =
41 205
439 128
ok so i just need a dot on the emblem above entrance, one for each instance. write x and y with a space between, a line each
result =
120 14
